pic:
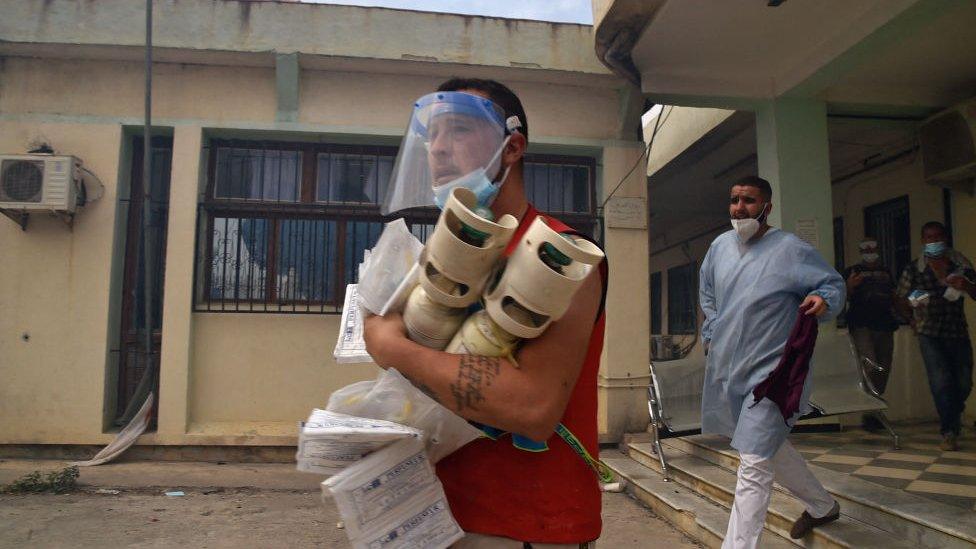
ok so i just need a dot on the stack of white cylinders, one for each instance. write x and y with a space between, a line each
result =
454 268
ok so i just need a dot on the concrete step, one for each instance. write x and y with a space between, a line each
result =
718 485
701 519
919 521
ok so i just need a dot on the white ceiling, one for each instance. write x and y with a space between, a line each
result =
744 48
934 66
689 195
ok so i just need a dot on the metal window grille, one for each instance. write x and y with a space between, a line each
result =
283 226
564 187
681 300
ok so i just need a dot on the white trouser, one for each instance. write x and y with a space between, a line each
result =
754 488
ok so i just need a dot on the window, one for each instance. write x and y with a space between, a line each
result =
656 303
563 186
287 224
889 224
284 225
682 305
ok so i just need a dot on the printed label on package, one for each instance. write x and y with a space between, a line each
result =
391 488
432 527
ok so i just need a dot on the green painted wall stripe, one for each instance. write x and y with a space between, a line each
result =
286 85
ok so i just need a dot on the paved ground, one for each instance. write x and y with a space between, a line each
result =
233 505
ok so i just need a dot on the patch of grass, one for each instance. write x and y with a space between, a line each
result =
36 482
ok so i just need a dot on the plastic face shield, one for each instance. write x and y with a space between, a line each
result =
450 135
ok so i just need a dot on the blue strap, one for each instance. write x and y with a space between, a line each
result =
529 445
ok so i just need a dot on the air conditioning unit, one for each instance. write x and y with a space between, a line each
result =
948 145
40 183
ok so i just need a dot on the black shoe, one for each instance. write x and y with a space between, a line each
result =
950 443
805 523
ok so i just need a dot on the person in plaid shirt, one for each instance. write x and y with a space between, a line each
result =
934 286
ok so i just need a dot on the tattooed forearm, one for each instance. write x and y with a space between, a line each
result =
427 391
423 388
475 373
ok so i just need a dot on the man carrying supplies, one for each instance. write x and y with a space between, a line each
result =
754 281
473 133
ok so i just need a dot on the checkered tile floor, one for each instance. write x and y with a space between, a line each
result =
919 467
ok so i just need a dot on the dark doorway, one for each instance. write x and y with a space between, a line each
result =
889 224
132 356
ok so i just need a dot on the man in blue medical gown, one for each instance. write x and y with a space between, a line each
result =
754 280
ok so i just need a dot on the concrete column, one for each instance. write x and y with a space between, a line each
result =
793 155
623 370
177 344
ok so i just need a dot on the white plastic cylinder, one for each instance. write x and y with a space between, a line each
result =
480 335
449 255
531 294
429 323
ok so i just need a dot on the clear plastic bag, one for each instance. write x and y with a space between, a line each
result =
387 265
392 398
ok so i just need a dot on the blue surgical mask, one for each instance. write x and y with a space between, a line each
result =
935 249
477 182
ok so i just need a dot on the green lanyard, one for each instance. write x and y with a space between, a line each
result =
600 468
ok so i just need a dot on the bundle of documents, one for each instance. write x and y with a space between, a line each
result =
328 442
392 499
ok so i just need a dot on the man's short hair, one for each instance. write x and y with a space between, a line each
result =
935 225
765 189
497 92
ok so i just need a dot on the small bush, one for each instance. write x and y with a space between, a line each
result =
34 483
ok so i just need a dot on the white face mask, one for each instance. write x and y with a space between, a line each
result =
748 227
869 258
476 181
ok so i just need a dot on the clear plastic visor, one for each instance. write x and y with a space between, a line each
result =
450 134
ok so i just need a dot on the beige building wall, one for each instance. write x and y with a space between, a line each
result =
240 379
54 310
257 374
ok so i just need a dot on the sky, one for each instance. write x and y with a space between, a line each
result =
561 11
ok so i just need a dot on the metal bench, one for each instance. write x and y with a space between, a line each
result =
840 386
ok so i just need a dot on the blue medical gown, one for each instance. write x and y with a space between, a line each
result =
750 295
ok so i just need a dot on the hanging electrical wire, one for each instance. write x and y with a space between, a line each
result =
658 125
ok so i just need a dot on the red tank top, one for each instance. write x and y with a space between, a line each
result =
494 488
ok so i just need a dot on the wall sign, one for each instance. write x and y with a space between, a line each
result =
807 230
626 213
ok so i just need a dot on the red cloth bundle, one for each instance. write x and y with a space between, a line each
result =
784 386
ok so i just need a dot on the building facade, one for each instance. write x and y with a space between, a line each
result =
274 127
